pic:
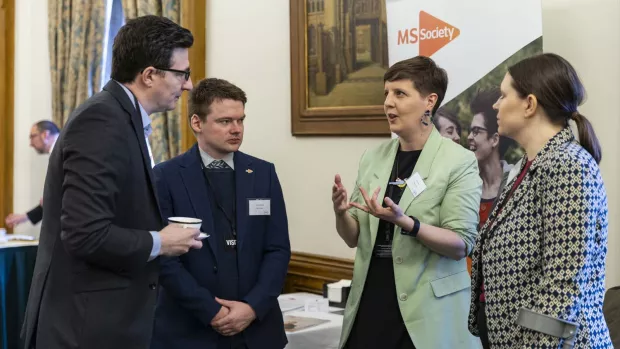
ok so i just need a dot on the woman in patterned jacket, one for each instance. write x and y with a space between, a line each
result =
544 245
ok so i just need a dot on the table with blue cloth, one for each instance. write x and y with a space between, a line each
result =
16 267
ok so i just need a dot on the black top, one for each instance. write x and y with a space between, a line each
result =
379 323
221 184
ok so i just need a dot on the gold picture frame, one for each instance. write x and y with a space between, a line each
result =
337 65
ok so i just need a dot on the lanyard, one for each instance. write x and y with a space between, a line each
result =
232 221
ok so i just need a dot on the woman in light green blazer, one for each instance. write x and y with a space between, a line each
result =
413 217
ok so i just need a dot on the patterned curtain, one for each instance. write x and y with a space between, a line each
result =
166 137
76 31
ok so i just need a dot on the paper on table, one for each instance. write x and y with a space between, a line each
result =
298 323
16 237
290 303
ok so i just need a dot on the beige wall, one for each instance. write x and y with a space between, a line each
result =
587 33
248 44
32 103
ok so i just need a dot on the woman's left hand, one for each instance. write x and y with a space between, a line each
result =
390 213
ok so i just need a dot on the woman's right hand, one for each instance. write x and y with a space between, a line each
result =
339 197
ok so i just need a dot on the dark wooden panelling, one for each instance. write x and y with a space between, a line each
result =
308 272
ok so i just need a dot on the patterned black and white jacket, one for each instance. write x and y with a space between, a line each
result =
544 249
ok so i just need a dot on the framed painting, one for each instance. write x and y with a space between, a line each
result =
339 53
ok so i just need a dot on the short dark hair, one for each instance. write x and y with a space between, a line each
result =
482 103
426 75
559 91
146 41
443 112
209 90
47 125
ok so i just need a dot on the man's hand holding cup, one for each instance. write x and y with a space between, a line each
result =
181 234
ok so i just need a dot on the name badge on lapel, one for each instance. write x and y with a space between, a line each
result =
260 207
416 185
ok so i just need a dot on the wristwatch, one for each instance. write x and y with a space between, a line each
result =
416 228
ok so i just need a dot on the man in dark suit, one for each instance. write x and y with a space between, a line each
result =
224 295
95 281
43 136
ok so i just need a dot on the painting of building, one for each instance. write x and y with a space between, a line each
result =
347 55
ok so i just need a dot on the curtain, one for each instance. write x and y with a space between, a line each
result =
166 137
76 35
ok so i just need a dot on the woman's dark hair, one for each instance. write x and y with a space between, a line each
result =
556 85
483 104
427 77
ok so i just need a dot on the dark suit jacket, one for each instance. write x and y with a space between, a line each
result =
35 215
186 304
92 285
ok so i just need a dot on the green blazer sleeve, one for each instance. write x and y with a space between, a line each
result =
459 209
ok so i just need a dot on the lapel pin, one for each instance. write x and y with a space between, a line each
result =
249 170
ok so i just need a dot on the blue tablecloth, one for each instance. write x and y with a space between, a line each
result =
16 268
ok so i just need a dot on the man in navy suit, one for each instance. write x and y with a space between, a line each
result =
225 295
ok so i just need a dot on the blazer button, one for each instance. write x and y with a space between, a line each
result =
153 286
403 297
215 269
399 260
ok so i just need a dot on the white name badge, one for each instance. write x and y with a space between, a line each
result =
260 207
416 184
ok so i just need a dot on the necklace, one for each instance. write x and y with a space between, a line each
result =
398 182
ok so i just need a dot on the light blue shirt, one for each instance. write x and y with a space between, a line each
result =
146 124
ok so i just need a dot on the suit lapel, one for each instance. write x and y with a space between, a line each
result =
380 179
136 121
244 183
503 195
506 202
194 181
422 166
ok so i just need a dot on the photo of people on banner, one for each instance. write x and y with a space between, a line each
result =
470 120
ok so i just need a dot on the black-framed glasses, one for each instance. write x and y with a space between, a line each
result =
476 130
184 72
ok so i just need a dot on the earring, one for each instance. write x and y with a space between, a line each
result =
426 114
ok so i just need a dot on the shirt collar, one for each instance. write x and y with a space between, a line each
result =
53 144
207 159
146 121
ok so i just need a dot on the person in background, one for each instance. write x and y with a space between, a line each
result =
413 217
489 148
543 248
447 124
43 136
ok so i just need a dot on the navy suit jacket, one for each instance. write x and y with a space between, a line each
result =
186 303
